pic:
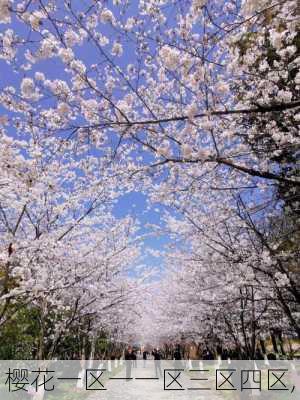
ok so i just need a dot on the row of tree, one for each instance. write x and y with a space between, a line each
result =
195 104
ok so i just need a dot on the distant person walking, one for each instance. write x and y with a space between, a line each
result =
157 362
145 356
177 358
177 354
134 359
128 361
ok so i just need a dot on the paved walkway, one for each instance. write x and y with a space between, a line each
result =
140 388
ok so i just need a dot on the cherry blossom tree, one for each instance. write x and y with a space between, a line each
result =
194 103
62 252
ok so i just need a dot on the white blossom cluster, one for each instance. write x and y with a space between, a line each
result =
193 107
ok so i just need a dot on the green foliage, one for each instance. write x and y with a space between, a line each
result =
18 337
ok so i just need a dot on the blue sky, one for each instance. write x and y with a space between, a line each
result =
135 203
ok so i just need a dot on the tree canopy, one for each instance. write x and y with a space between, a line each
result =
192 104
